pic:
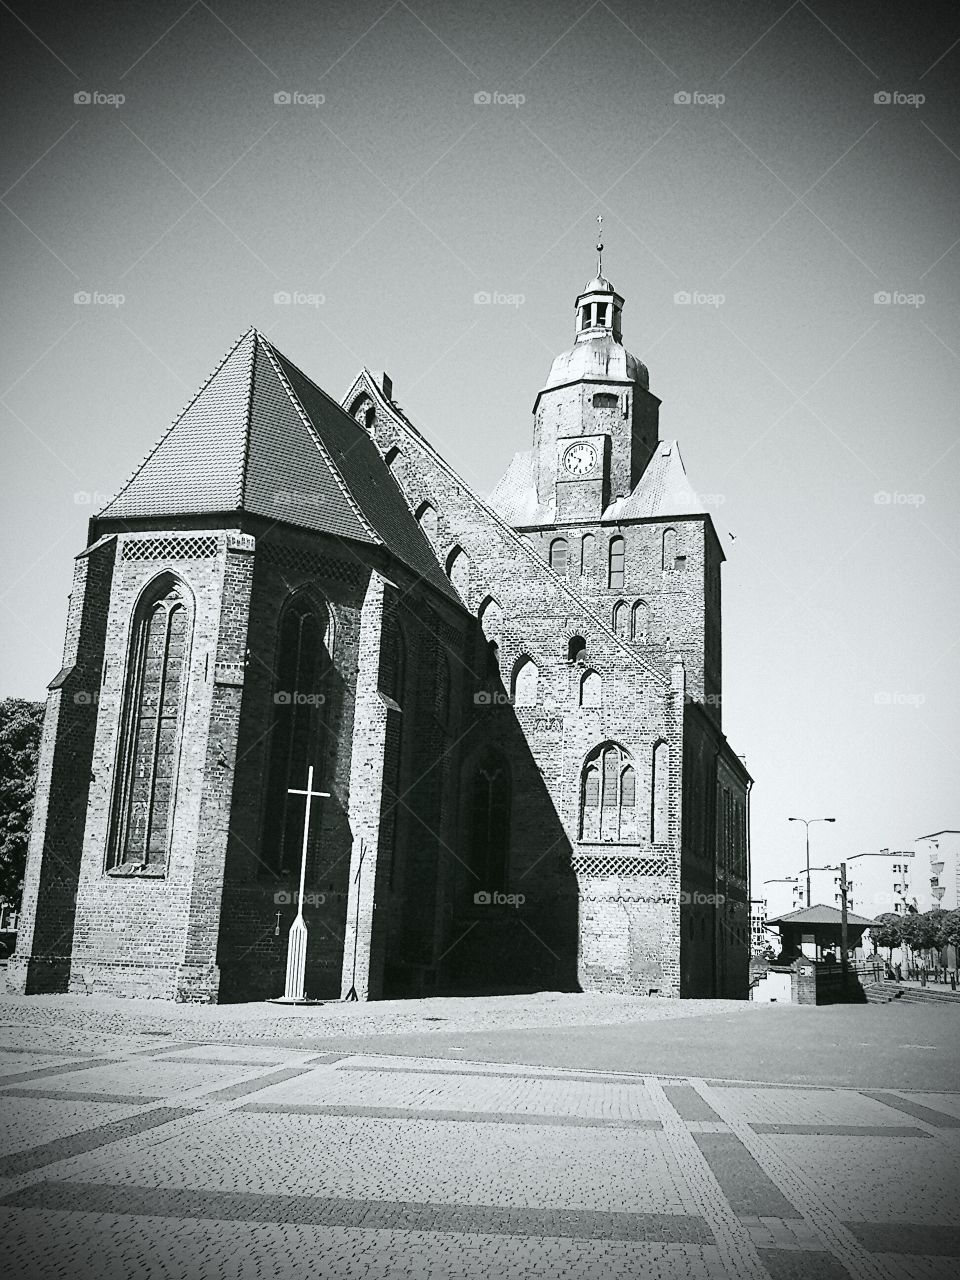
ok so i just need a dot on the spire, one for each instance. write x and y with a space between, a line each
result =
600 246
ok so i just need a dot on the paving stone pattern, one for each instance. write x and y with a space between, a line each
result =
210 1159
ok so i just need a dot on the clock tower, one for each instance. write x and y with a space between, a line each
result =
595 421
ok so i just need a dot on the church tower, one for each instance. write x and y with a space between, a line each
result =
595 420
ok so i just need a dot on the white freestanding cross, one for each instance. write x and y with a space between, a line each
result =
297 942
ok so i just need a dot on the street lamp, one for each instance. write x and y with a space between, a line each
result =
806 822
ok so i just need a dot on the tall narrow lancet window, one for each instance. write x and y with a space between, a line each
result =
660 794
640 622
608 789
621 618
526 680
558 555
427 519
299 735
616 563
590 689
488 823
458 571
669 548
588 552
150 732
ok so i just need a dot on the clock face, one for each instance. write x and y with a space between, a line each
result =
580 458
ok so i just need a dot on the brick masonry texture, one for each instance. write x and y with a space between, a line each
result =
422 693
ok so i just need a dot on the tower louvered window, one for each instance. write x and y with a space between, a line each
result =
150 732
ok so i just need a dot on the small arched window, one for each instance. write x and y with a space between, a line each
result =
151 726
608 796
490 615
458 571
526 682
590 689
558 555
660 794
575 646
588 553
621 618
615 567
392 454
669 548
426 515
605 400
640 622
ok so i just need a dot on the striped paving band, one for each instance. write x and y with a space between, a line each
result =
89 1140
382 1215
843 1130
467 1117
941 1119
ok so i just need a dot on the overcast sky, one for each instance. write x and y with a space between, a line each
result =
782 197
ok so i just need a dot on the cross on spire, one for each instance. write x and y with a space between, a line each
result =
600 244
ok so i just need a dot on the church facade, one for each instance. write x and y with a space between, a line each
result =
513 706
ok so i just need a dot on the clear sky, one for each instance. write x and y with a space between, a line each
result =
822 422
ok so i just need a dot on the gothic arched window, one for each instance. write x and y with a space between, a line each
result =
590 687
660 794
640 622
426 516
491 617
526 680
300 731
458 570
588 552
488 823
575 646
615 564
150 731
608 792
621 618
558 555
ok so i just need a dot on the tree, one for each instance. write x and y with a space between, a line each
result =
20 724
950 929
921 932
888 931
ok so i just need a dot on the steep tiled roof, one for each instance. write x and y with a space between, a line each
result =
261 437
197 466
515 497
662 491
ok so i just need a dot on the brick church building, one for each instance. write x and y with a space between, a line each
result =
514 706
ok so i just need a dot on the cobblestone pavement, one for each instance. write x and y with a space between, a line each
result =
192 1155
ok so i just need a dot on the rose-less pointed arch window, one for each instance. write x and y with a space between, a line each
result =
151 725
300 732
608 796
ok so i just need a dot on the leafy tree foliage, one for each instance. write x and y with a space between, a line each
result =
20 724
887 932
